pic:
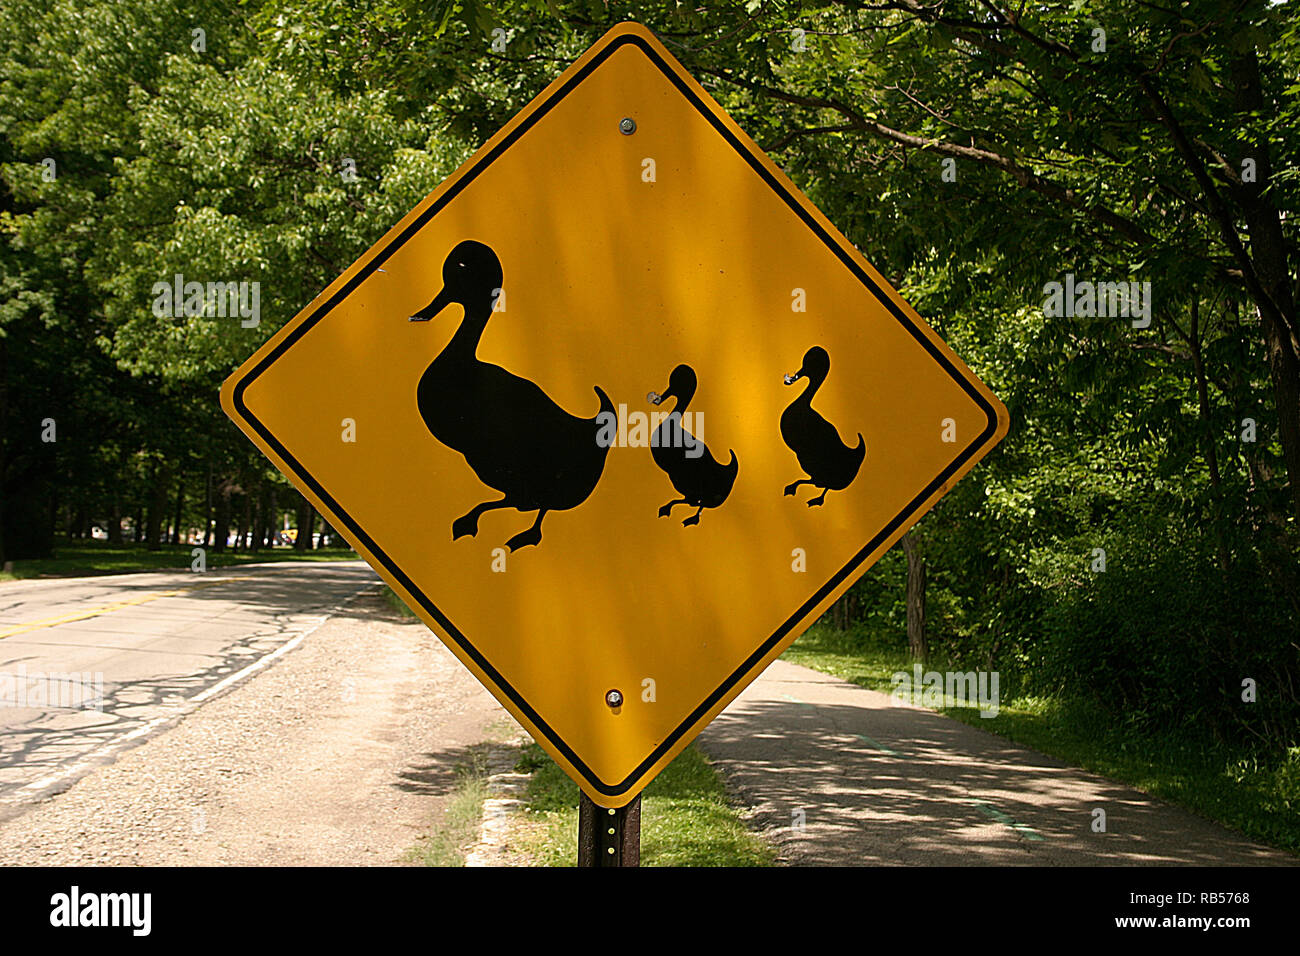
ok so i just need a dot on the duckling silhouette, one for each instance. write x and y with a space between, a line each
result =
830 464
701 480
515 438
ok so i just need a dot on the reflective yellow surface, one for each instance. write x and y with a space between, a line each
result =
613 280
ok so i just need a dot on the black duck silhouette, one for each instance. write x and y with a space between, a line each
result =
514 437
701 480
830 464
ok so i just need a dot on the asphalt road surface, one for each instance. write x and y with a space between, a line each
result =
119 656
838 775
272 714
286 714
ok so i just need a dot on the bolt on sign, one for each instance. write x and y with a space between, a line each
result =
626 412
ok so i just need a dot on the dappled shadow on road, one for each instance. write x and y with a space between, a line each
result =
215 626
277 588
858 782
42 740
438 773
296 588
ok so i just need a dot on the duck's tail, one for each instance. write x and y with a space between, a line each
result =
730 470
861 451
606 405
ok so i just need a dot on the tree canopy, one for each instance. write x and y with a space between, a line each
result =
975 151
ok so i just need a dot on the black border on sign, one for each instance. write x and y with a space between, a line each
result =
461 640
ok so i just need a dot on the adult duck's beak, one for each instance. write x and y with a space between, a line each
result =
657 399
440 302
791 379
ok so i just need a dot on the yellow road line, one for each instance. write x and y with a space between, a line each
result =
109 608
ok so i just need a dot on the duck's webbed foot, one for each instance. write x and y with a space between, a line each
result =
792 488
528 536
814 502
693 519
667 509
467 524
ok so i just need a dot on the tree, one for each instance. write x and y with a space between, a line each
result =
916 642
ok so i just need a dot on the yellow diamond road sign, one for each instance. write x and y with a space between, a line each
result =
617 411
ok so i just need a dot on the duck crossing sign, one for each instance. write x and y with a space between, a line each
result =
617 411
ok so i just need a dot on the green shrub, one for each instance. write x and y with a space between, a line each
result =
1164 638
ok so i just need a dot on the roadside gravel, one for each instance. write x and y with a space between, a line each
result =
342 752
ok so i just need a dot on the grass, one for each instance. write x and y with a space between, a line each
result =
862 657
686 819
397 604
1259 798
93 557
459 827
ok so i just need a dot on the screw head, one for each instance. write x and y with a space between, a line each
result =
627 126
614 698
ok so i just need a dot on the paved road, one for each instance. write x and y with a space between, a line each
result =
344 752
151 646
838 775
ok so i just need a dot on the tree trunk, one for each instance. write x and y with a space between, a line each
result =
221 520
178 536
306 521
844 612
115 523
208 511
255 521
1207 431
1270 260
269 516
916 642
327 531
1203 397
53 516
157 505
245 517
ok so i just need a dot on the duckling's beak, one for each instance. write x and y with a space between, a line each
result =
791 379
440 302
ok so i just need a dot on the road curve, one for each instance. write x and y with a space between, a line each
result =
91 665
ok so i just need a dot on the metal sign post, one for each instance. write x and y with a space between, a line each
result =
609 837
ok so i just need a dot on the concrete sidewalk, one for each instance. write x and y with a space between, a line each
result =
841 776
